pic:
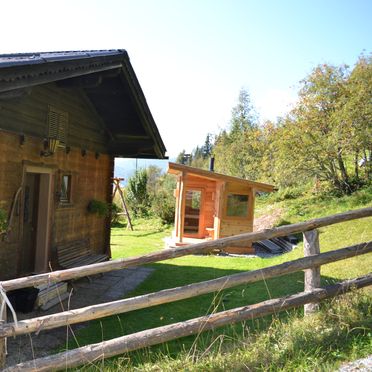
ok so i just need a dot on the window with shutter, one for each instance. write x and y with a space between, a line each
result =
58 125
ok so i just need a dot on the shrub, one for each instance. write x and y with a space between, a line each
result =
3 221
115 210
163 206
137 195
162 199
99 207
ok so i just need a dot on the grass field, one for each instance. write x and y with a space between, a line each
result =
223 344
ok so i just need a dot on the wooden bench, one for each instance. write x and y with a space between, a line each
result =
77 253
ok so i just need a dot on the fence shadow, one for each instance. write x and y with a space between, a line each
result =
170 276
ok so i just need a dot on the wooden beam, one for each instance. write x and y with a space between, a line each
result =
176 294
87 81
139 340
165 254
133 137
43 74
2 339
176 168
17 93
182 206
312 276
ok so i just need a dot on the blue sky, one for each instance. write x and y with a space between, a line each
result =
192 57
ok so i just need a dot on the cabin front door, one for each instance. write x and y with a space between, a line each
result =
193 204
37 191
30 216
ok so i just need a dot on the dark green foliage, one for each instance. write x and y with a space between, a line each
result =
3 221
137 194
163 206
98 207
199 156
115 210
162 199
150 192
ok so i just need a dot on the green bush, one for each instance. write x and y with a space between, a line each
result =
3 221
162 199
137 194
163 206
99 207
288 193
115 210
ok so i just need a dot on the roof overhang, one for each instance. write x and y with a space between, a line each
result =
108 80
177 169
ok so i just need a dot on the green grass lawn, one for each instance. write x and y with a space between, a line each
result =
148 236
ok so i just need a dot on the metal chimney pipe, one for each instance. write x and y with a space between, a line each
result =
211 164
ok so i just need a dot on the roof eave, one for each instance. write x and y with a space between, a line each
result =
175 168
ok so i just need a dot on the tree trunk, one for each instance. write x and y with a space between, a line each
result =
344 176
356 165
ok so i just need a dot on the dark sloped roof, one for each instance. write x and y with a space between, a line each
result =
109 81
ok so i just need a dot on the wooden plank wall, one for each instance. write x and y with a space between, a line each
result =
237 225
90 176
28 115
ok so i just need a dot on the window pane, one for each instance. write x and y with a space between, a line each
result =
65 188
237 205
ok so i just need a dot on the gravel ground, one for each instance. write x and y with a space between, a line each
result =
360 365
103 288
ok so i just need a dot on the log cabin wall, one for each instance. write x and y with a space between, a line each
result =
89 173
237 225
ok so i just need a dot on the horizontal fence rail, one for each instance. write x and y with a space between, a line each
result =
165 254
124 344
180 293
312 295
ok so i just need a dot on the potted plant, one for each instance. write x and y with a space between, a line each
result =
98 207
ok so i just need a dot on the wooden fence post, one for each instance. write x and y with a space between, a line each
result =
2 339
312 276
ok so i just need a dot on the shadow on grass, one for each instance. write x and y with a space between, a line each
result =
169 276
135 234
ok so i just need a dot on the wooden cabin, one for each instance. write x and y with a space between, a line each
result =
210 205
64 117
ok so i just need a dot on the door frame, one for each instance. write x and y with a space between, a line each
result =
199 234
44 217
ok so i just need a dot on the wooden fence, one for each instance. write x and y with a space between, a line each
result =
310 297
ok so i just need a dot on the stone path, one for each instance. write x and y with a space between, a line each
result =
360 365
102 288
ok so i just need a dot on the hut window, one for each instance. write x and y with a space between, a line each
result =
65 189
57 125
237 205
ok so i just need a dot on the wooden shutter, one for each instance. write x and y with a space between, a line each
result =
58 125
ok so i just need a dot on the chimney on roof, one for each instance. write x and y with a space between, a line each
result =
211 164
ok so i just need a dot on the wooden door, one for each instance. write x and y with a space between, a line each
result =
30 221
193 207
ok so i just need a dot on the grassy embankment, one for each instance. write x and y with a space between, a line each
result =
341 331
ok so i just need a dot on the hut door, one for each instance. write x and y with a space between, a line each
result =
37 201
193 205
30 218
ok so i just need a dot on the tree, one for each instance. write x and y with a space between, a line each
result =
207 147
355 110
238 150
243 115
329 126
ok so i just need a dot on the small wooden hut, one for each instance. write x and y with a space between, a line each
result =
210 205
